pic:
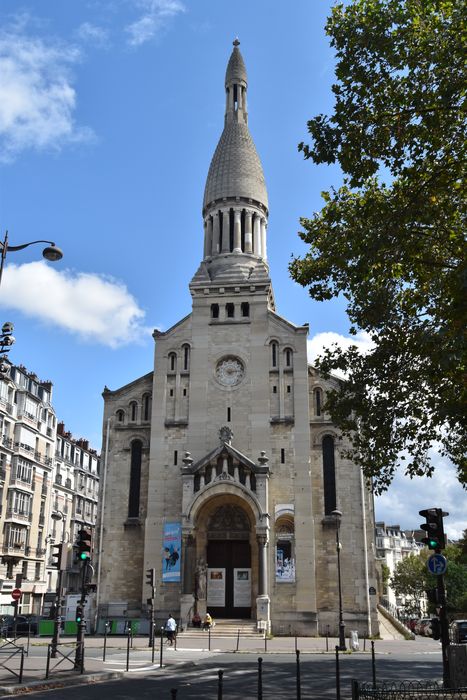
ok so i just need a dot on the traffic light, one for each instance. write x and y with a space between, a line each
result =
434 528
84 545
151 577
79 613
435 628
59 556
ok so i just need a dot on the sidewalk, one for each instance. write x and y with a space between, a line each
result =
189 650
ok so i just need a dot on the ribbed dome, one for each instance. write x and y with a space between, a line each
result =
235 169
236 71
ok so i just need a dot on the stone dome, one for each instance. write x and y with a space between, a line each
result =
236 71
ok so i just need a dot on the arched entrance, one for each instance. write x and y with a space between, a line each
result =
229 579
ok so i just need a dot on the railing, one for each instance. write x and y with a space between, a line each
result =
419 690
22 515
7 441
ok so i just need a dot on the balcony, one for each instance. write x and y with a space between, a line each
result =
22 516
13 548
40 552
7 442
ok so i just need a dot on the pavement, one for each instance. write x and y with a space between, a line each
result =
138 656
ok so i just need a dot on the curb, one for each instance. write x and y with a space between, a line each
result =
85 678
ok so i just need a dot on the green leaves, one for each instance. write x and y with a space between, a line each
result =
391 240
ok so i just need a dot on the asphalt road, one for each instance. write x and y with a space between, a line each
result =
199 679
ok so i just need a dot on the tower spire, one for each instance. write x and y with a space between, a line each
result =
236 87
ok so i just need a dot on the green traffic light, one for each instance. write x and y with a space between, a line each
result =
433 543
83 556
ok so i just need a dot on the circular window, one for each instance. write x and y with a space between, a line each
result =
230 371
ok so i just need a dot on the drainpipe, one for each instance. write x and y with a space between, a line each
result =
101 525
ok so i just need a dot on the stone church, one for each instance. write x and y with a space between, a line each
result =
222 471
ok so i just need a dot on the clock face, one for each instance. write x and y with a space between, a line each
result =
230 371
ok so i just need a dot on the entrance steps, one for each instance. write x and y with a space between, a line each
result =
225 628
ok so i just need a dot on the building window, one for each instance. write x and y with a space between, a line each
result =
186 357
133 411
135 478
329 475
285 555
288 388
172 361
175 457
282 455
274 354
288 357
274 389
229 414
230 310
214 310
37 573
171 392
184 392
245 309
146 406
318 401
120 415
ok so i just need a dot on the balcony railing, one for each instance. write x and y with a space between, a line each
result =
7 441
22 515
13 548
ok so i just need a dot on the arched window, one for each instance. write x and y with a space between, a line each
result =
288 355
172 362
186 356
245 309
329 474
318 401
214 310
274 354
120 415
285 554
146 406
133 411
230 310
135 478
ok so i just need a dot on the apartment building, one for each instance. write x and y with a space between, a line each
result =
392 546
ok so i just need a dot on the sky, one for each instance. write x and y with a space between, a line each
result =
110 111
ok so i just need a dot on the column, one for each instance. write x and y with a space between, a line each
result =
239 97
216 234
202 480
225 465
206 248
263 238
248 232
237 231
257 236
236 472
225 231
188 558
263 564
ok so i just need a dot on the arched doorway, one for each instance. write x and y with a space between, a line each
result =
229 563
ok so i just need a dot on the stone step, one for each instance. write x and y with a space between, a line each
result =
226 628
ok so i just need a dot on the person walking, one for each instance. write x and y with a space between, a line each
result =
171 629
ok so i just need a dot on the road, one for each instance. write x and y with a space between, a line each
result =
197 676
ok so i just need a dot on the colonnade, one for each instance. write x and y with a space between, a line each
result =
249 232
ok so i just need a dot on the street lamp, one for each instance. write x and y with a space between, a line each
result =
51 252
337 516
58 515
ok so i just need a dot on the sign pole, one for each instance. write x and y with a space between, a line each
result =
444 624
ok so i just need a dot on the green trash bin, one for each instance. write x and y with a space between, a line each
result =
46 628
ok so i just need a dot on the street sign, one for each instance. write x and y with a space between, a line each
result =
16 594
437 564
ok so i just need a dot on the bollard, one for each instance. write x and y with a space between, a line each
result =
81 668
299 686
260 678
209 639
296 645
173 692
20 677
373 664
338 678
327 638
364 643
220 684
238 640
106 627
355 690
128 650
48 663
265 641
153 642
162 646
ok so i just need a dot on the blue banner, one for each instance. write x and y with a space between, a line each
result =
171 550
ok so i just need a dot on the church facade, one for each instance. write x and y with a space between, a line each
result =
222 473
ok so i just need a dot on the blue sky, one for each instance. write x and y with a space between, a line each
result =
110 111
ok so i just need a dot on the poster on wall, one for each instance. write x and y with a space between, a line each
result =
285 565
242 588
171 548
216 588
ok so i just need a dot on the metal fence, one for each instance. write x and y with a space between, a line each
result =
415 690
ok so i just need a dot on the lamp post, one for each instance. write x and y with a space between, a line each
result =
51 252
58 515
337 516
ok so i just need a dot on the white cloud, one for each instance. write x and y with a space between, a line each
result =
325 340
93 34
400 504
96 308
37 99
155 16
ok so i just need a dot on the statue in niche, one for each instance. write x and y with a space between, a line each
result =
200 579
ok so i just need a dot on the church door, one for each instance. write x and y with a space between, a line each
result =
229 579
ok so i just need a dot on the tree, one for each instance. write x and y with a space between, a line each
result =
390 240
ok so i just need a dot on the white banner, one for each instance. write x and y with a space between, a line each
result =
216 588
242 588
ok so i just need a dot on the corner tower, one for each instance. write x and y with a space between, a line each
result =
235 205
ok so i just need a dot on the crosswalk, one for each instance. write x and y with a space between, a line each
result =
141 661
